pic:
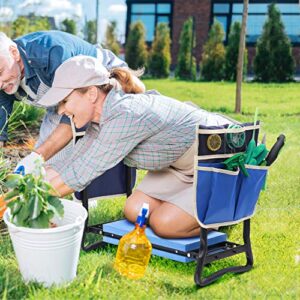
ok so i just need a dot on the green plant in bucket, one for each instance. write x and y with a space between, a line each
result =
31 201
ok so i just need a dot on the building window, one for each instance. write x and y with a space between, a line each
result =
150 14
230 12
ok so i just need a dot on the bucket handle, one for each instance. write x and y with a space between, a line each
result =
14 230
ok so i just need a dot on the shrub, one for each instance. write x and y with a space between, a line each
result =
160 56
273 61
31 23
23 115
136 48
91 31
111 41
69 25
186 62
232 52
213 57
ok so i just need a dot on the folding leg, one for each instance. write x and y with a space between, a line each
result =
98 228
207 255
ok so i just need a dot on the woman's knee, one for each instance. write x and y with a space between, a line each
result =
172 222
130 210
135 202
161 225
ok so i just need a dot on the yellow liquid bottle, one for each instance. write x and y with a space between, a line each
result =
134 249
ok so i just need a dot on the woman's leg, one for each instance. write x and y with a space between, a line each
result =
134 203
166 220
170 221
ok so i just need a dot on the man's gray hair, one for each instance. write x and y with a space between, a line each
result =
5 43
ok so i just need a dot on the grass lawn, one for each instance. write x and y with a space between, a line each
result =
275 227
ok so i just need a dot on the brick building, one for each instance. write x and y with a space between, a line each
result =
175 12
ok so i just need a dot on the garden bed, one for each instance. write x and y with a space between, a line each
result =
21 145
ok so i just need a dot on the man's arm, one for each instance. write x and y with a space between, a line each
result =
6 106
60 188
59 138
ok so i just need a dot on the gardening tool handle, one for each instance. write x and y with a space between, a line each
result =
275 149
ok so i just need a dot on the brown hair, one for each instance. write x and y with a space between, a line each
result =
127 78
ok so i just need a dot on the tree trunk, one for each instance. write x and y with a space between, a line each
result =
240 63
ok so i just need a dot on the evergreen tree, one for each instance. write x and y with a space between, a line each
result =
111 41
213 57
136 48
20 27
69 25
274 61
186 62
91 31
40 24
160 56
31 23
232 50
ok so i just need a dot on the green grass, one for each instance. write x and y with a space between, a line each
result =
275 227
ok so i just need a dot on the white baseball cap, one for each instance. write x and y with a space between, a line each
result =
76 72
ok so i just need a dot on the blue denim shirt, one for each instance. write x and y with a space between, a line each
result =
42 53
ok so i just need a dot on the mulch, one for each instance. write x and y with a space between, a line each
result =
20 144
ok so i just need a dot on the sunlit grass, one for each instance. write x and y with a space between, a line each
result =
275 227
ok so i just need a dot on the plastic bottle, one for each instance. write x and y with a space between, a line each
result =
134 249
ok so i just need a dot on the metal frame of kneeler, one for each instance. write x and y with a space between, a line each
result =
208 250
123 181
208 255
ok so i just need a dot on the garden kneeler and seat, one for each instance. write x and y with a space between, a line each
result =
222 198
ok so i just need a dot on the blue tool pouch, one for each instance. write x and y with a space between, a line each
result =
224 196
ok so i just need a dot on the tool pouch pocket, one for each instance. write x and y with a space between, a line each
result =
224 196
249 189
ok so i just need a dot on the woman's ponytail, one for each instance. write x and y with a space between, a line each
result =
129 80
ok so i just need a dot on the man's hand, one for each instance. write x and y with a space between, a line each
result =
31 164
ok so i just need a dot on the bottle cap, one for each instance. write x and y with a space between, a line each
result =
143 215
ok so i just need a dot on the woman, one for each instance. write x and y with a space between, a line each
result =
146 130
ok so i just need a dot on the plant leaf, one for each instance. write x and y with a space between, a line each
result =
15 207
30 183
23 214
13 180
11 194
41 222
55 204
37 207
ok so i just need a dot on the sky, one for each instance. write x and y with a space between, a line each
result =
79 10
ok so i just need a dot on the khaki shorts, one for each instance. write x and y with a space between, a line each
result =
173 184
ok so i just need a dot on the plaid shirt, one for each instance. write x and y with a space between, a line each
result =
149 131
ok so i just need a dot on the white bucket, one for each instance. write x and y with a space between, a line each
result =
50 256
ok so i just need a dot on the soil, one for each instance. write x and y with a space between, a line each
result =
20 145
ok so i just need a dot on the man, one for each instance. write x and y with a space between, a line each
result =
27 68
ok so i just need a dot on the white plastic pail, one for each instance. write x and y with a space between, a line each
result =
50 256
